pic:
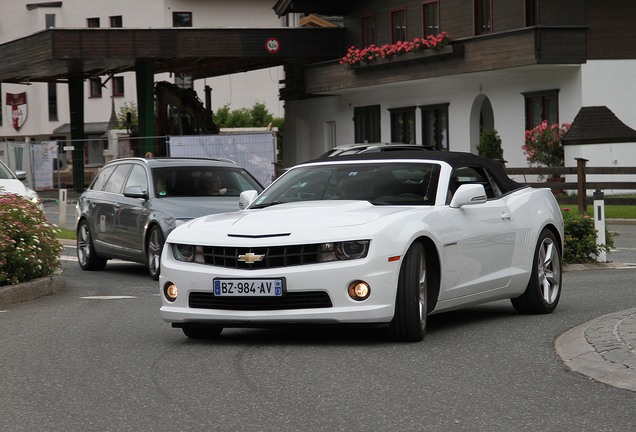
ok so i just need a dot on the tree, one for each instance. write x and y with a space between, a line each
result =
490 145
128 118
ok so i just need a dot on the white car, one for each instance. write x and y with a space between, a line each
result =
380 239
12 183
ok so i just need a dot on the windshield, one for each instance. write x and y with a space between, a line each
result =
5 173
385 183
188 181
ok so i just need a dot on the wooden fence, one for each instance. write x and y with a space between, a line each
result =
581 185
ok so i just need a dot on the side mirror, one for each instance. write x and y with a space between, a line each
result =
135 192
246 198
21 175
468 194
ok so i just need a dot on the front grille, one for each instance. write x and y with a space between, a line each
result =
275 256
291 300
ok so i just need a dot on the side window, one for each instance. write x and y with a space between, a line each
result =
116 181
137 177
473 175
102 177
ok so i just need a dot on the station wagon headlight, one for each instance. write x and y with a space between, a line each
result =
179 222
346 250
188 253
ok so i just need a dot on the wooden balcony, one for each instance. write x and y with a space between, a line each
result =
524 47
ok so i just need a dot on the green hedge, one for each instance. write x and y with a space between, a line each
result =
28 245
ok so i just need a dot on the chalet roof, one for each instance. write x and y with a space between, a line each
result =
598 125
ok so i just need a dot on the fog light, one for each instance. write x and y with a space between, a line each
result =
170 291
359 290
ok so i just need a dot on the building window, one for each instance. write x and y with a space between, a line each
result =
181 19
541 106
183 81
532 13
118 86
116 21
368 30
435 126
403 125
366 121
93 22
430 18
49 20
95 87
52 102
483 17
398 25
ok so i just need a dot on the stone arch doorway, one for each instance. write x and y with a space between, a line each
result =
481 117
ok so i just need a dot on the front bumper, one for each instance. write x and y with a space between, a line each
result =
332 278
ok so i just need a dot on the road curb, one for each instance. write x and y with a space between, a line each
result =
31 290
582 357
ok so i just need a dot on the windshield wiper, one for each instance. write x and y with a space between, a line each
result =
268 204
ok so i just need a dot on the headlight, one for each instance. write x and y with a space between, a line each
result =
178 222
346 250
188 253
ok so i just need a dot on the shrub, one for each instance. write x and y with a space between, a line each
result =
542 145
490 145
28 245
580 239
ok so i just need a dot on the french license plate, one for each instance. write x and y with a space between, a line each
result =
248 287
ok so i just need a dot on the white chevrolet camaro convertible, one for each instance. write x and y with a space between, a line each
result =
381 239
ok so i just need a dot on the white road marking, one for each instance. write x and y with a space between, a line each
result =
107 297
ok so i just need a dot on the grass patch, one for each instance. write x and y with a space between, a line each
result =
67 234
611 211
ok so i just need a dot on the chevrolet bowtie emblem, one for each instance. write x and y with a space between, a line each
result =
250 258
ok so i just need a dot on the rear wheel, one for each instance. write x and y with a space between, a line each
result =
86 255
409 321
153 250
544 288
194 331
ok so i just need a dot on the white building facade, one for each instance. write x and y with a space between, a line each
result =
47 105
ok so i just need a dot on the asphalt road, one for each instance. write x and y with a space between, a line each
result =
98 357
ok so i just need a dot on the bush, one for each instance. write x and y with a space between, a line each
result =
490 145
28 245
580 239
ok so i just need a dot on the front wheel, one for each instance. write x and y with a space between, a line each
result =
194 331
153 251
86 255
544 288
409 321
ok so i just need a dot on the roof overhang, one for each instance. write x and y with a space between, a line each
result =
325 7
58 54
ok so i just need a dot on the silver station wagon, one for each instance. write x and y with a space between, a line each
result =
134 203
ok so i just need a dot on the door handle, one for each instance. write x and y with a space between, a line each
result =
506 217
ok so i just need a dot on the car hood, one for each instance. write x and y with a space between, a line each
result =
284 220
194 207
13 186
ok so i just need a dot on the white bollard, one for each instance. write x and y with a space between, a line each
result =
599 222
62 200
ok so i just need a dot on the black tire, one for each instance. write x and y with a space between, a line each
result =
409 321
195 331
153 252
544 288
86 254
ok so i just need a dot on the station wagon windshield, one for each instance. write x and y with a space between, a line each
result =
381 184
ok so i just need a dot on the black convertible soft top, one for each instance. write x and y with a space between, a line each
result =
454 159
